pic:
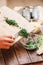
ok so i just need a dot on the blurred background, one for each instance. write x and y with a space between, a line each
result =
12 3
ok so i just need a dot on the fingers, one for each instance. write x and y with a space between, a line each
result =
6 45
8 40
8 37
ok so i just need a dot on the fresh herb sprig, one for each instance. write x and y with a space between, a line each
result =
23 32
11 22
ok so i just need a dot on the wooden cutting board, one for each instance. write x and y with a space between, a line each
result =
22 22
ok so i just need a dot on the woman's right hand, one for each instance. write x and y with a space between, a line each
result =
6 42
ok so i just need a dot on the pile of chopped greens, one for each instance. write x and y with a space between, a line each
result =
31 45
11 22
23 32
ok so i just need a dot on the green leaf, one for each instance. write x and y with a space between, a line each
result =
31 45
24 33
11 22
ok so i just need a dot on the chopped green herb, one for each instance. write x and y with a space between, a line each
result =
24 33
11 22
31 45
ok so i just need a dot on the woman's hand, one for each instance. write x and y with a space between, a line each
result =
6 42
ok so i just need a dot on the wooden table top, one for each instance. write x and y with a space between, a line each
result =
17 55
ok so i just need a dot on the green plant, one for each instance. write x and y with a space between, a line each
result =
24 33
31 45
40 44
11 22
40 40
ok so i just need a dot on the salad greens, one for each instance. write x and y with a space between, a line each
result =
23 32
11 22
40 44
31 45
40 40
